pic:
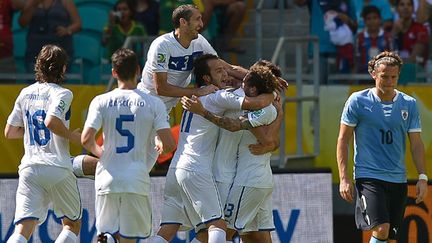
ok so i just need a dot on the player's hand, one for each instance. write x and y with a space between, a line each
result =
193 105
346 190
421 190
75 136
259 149
207 90
282 85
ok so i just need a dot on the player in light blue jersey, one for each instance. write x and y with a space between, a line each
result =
380 118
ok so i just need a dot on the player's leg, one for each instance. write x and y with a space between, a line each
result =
23 231
107 208
135 217
399 196
256 236
372 212
70 231
84 166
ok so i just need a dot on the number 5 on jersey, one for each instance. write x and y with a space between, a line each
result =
125 133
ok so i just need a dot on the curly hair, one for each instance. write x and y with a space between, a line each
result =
50 64
273 68
387 58
262 79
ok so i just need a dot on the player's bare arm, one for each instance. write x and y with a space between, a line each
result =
346 188
88 141
13 132
165 142
56 126
258 102
418 155
163 88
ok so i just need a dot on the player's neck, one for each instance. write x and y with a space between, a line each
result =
126 85
182 38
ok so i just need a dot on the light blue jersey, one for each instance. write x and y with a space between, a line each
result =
380 133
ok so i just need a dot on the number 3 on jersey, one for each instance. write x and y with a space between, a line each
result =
125 133
38 132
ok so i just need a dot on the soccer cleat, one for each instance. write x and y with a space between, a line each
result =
102 238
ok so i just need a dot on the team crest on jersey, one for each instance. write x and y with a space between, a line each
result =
161 58
256 114
404 114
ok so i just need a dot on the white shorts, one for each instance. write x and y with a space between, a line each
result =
224 189
173 211
40 185
126 213
200 196
249 209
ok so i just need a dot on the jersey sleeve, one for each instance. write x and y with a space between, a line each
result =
15 118
414 124
349 114
94 117
158 57
162 117
60 104
262 117
227 100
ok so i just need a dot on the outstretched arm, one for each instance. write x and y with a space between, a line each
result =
164 88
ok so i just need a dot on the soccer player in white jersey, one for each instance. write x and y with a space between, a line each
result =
129 117
248 207
381 118
169 64
41 116
191 197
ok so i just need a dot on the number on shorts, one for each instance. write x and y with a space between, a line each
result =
229 208
38 132
125 133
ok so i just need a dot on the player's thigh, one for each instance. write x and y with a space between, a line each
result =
200 195
107 210
66 199
135 216
371 203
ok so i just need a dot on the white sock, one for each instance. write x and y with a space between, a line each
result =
110 238
195 240
375 240
17 238
216 235
67 236
158 239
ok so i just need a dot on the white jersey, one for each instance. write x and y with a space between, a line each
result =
167 55
129 119
33 104
198 136
225 158
255 170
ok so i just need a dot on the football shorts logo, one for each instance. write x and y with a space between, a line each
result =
404 114
161 58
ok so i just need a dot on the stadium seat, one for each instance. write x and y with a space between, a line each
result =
93 19
105 5
88 50
15 24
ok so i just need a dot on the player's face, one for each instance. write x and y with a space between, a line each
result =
386 78
195 24
372 22
405 9
123 8
218 73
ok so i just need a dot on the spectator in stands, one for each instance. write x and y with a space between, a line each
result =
147 14
49 22
230 14
7 61
385 10
372 40
411 38
316 24
121 24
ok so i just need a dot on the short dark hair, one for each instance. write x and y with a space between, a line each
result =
183 11
131 5
50 64
398 1
202 68
273 67
387 58
262 79
125 62
370 9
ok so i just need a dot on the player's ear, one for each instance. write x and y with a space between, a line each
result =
207 79
114 73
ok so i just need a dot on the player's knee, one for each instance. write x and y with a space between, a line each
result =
168 231
73 226
219 223
381 231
